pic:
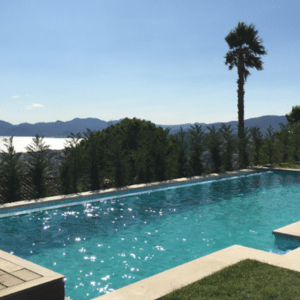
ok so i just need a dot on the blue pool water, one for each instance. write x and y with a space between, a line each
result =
118 239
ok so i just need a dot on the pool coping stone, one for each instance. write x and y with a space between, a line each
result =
19 276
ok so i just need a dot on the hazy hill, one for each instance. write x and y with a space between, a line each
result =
63 129
262 122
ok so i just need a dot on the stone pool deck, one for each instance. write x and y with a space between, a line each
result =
21 279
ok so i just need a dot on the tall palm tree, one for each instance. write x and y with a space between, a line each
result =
245 45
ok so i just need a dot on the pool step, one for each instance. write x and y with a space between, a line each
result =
163 283
21 279
291 231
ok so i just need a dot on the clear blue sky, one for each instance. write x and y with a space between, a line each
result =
158 60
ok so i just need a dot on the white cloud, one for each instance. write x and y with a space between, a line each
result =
27 95
15 97
34 105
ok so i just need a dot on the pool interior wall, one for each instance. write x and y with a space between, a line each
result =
161 284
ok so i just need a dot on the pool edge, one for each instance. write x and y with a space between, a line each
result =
57 199
163 283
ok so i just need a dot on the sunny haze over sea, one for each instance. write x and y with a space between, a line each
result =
161 61
21 142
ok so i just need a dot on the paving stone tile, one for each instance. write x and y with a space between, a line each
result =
2 287
26 275
2 272
9 267
9 280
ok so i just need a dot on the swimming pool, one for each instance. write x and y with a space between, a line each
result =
118 239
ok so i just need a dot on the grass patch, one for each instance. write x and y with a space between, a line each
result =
248 279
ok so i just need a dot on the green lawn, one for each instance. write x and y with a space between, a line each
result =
248 279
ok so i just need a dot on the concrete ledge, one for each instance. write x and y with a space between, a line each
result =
290 231
163 283
275 169
21 279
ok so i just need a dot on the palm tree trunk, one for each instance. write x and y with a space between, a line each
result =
241 129
241 93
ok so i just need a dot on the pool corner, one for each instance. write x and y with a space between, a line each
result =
20 277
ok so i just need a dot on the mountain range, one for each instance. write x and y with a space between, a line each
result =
61 129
